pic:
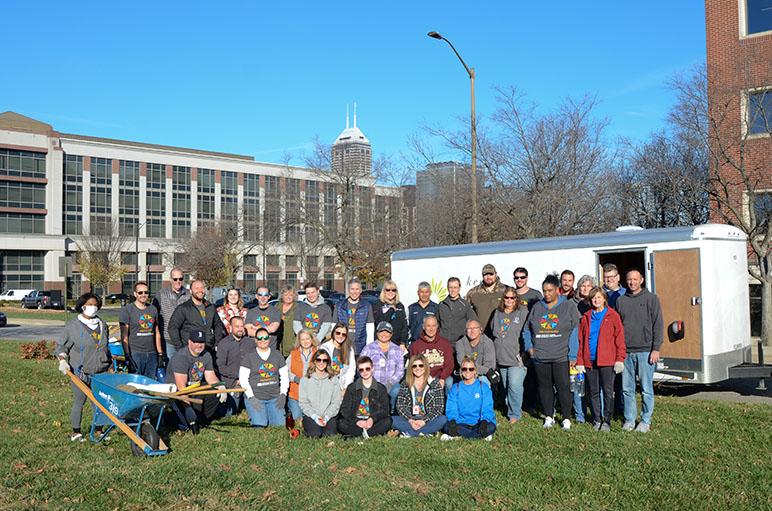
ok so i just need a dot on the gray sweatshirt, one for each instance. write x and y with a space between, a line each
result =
319 396
484 353
642 319
316 317
85 347
507 328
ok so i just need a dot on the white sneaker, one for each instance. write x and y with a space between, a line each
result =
628 426
548 422
77 437
489 438
445 437
404 435
566 424
364 434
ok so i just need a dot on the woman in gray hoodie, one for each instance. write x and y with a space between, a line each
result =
319 397
507 326
83 349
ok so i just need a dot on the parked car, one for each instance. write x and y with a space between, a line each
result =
43 300
118 297
15 294
3 320
372 292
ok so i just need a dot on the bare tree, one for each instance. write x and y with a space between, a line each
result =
100 254
731 119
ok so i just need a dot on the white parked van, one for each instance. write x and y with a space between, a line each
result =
699 273
15 294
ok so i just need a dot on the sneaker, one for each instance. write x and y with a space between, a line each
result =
512 420
606 427
628 426
194 428
596 426
566 424
77 437
642 427
548 422
445 437
489 438
365 435
404 435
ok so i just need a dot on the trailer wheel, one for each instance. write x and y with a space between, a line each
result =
147 433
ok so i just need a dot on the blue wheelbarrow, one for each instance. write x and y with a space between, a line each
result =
114 407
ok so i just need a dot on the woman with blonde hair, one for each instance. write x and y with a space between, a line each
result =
342 358
388 308
287 304
320 397
232 306
470 406
298 364
420 402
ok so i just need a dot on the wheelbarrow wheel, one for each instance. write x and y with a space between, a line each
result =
147 433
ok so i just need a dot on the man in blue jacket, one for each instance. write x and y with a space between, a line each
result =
357 313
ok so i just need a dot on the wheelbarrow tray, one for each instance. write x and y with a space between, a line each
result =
128 407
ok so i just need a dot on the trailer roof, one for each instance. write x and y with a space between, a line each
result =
598 240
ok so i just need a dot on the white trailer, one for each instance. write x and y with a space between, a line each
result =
699 273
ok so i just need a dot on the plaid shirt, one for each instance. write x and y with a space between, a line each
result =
389 367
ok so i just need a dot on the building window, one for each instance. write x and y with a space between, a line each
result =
129 258
229 196
155 282
312 261
760 112
156 201
329 281
22 163
128 197
251 211
205 198
22 223
72 207
22 269
272 280
291 260
758 16
250 282
128 283
272 260
762 207
329 261
101 194
180 202
292 279
250 260
155 259
22 195
74 286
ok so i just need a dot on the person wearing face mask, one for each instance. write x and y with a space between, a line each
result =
83 349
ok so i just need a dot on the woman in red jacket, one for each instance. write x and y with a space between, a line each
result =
601 354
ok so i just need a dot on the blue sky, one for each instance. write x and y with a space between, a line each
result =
263 79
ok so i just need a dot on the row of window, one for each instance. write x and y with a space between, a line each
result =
250 261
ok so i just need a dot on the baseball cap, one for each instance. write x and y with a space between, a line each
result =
489 269
197 336
385 325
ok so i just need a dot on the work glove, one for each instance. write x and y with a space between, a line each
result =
281 401
64 366
484 428
453 428
130 365
162 361
222 396
256 404
580 369
619 367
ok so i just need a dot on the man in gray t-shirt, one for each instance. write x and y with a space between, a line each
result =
140 334
263 316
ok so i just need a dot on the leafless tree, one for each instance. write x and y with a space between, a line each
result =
100 254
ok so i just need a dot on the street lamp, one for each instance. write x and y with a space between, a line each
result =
136 252
470 71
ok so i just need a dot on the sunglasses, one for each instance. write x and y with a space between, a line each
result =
340 333
265 338
467 369
417 365
509 297
177 280
323 360
521 278
142 292
365 369
390 290
263 294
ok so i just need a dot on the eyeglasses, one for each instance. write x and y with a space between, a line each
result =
606 277
263 294
467 369
521 277
473 328
177 280
417 365
340 333
509 297
265 338
323 360
390 290
365 369
142 292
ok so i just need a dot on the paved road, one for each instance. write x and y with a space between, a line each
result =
15 330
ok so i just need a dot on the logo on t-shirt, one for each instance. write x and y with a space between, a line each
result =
435 357
351 318
335 365
504 324
549 321
262 321
146 322
196 372
311 320
364 407
267 370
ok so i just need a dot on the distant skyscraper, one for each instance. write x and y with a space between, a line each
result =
442 178
351 151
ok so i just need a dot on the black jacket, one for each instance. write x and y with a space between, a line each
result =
379 401
187 318
395 316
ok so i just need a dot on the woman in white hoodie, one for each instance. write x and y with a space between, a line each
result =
319 397
342 358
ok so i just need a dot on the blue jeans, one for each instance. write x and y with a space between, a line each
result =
268 415
294 409
637 363
170 350
393 397
448 383
147 364
473 430
430 428
512 378
233 403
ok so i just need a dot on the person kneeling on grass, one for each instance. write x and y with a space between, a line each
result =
470 406
263 373
420 402
319 397
365 409
83 348
194 365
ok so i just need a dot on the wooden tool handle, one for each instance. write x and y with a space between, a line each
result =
205 392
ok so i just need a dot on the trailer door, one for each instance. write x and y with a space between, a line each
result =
677 284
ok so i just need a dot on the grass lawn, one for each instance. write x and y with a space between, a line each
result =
18 313
699 455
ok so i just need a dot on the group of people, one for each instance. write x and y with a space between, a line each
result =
364 370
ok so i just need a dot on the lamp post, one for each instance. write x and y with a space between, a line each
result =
136 252
470 71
